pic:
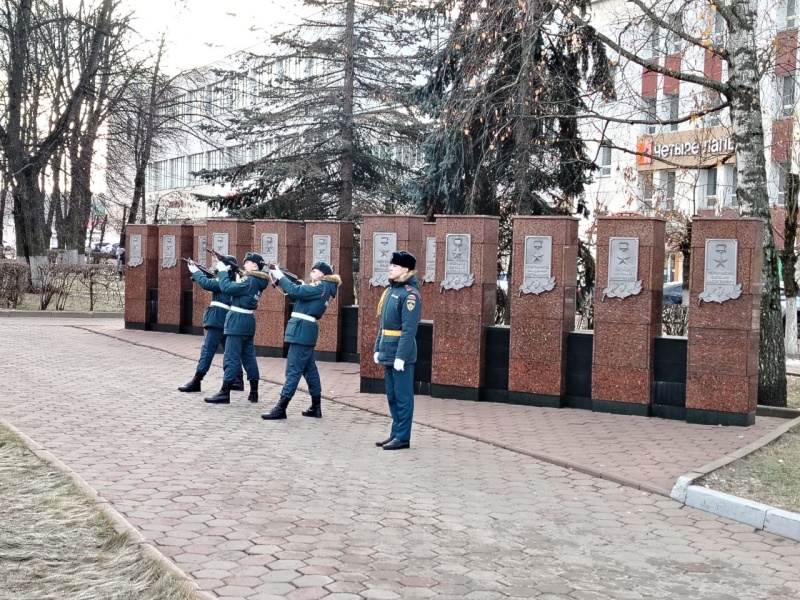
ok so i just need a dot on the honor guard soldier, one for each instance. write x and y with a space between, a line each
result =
399 309
214 324
240 327
310 302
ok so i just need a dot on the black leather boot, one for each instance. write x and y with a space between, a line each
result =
253 395
238 384
278 411
194 384
221 397
315 410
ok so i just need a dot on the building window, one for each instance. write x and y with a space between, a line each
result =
650 114
783 172
720 28
791 14
785 96
668 200
711 188
673 108
605 160
712 98
673 39
653 40
646 189
669 268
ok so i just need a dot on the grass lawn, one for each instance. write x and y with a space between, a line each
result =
55 544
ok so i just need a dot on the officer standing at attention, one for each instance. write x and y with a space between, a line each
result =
240 327
399 308
310 302
214 324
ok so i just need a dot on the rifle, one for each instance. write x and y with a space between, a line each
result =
203 270
288 274
235 268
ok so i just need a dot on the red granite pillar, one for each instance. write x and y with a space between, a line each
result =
724 317
627 312
466 266
200 297
332 242
174 242
281 242
229 236
141 275
380 236
542 294
426 267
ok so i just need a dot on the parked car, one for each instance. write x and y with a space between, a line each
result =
673 293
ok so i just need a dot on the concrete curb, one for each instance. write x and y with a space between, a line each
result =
120 523
760 516
61 314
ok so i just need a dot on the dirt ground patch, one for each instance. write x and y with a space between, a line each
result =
56 544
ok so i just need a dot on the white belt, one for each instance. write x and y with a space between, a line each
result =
245 311
304 317
220 305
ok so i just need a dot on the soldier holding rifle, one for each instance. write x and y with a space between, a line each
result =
240 323
213 323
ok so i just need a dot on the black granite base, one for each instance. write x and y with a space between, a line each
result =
421 388
349 357
666 411
136 326
192 330
621 408
455 392
581 402
369 385
716 417
325 356
163 328
528 399
270 352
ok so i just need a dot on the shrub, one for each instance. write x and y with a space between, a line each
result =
14 277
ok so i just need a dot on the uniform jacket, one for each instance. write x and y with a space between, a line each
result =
244 294
309 299
214 317
400 310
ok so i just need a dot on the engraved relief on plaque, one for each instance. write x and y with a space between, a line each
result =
719 274
135 258
269 247
383 244
538 265
322 248
430 260
201 252
623 268
458 248
169 257
219 242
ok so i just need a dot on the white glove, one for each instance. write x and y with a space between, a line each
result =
276 274
399 364
221 266
377 354
193 269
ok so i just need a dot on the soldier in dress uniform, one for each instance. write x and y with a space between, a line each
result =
214 324
310 302
399 308
240 327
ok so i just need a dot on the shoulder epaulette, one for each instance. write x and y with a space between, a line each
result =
409 288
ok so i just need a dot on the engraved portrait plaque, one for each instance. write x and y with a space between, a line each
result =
219 242
269 247
458 250
537 274
168 256
430 260
201 252
135 258
322 248
719 273
623 268
383 244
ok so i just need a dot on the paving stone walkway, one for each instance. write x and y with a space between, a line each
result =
307 509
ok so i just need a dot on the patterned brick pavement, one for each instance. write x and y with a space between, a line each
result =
311 509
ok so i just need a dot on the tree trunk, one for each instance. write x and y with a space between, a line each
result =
29 215
348 145
789 260
748 135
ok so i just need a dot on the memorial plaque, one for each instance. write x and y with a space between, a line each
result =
201 250
219 242
430 260
719 274
538 265
322 248
168 252
383 244
269 247
623 268
458 248
135 258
